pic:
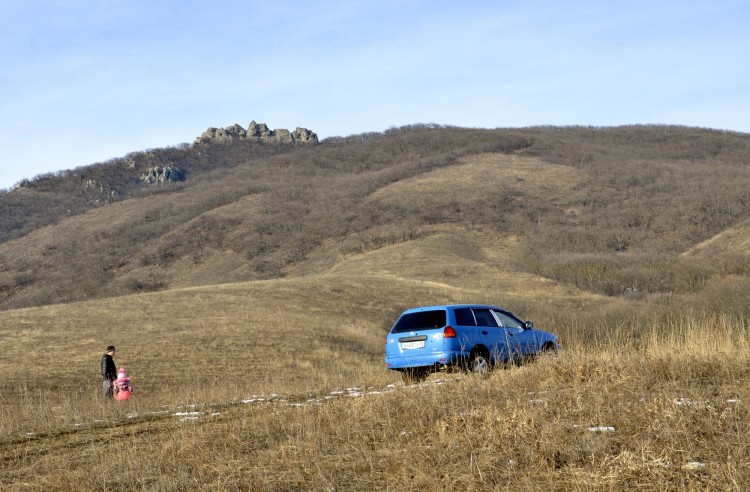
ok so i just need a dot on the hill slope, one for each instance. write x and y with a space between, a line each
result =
250 303
279 384
598 209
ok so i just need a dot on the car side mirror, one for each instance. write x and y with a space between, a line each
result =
527 325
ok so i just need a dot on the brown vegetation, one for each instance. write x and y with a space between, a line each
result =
574 196
257 294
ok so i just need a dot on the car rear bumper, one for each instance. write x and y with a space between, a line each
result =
435 359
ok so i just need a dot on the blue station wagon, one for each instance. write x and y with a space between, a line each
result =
468 336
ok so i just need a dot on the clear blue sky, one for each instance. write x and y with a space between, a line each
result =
83 81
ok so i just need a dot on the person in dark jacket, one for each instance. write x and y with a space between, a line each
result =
109 371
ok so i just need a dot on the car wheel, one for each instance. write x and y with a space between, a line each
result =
548 349
414 375
479 363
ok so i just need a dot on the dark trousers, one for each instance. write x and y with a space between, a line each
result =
107 389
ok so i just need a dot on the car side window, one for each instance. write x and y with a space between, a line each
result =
484 317
508 321
464 317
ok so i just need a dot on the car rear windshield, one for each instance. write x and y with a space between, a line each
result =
421 320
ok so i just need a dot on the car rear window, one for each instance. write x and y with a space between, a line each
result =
421 320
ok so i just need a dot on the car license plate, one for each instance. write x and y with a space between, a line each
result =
412 345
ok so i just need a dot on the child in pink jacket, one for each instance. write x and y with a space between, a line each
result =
122 387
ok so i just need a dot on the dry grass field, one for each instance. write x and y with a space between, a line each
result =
279 385
251 312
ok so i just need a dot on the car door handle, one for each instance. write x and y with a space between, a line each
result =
511 334
484 332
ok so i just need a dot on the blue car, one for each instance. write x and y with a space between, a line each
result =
468 336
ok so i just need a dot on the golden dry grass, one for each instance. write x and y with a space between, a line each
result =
280 385
735 240
663 410
479 176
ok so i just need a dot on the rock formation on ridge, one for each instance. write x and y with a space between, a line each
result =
257 132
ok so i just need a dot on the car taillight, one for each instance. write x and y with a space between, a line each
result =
449 332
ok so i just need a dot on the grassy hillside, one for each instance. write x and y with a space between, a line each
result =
251 301
573 196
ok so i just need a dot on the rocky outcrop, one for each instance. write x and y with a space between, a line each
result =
257 132
159 175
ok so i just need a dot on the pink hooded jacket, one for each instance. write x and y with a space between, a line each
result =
122 387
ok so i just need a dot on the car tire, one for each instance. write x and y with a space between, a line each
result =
479 363
548 350
414 375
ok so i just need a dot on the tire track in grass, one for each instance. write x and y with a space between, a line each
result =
19 452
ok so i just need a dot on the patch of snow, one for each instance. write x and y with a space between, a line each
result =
693 465
473 413
254 400
688 402
602 428
188 414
